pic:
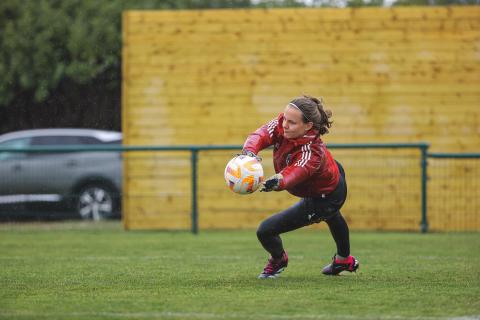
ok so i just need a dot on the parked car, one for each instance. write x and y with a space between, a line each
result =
85 183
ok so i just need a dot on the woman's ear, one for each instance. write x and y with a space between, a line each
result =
309 125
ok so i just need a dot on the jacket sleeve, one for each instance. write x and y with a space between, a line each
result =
262 138
309 161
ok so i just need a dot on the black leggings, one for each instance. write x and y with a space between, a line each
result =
305 212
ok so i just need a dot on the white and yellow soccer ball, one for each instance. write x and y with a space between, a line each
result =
243 174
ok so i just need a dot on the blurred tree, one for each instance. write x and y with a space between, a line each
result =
43 42
364 3
278 3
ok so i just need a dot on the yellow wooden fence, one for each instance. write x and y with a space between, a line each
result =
212 76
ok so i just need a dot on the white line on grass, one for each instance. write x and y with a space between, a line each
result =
191 315
155 257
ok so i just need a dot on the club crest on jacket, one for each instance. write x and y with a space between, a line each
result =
289 157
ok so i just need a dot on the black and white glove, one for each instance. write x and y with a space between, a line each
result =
271 183
251 154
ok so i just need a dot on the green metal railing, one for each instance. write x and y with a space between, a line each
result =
454 155
423 147
194 150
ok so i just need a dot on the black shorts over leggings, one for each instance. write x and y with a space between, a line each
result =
305 212
310 210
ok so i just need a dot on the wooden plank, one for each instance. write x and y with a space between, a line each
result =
390 70
347 70
259 51
237 15
352 103
359 88
246 34
299 15
369 77
265 29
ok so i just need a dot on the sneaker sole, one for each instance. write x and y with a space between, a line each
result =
271 276
356 265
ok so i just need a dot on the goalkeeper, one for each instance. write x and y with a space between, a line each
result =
305 168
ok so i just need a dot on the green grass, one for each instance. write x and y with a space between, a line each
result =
80 270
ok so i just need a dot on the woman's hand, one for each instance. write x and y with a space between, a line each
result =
251 154
271 183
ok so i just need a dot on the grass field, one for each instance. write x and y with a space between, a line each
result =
76 270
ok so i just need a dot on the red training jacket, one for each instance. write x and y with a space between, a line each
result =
307 166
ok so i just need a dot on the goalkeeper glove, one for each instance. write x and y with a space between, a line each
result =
271 183
251 154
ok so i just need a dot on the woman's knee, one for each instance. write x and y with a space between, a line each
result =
337 220
264 230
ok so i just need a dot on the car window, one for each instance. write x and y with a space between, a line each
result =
56 140
19 143
90 140
113 142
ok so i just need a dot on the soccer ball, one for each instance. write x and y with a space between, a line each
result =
243 174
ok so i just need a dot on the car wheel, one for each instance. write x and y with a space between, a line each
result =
96 202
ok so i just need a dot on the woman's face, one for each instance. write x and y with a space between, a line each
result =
293 125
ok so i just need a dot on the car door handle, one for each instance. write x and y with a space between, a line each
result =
16 167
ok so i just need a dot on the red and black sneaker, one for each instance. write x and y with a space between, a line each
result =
274 267
349 264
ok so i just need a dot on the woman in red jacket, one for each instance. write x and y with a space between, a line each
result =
305 168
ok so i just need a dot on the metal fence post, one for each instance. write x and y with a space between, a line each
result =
424 165
194 191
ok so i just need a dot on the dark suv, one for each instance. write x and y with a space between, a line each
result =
88 184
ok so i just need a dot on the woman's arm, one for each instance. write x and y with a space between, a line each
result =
262 138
